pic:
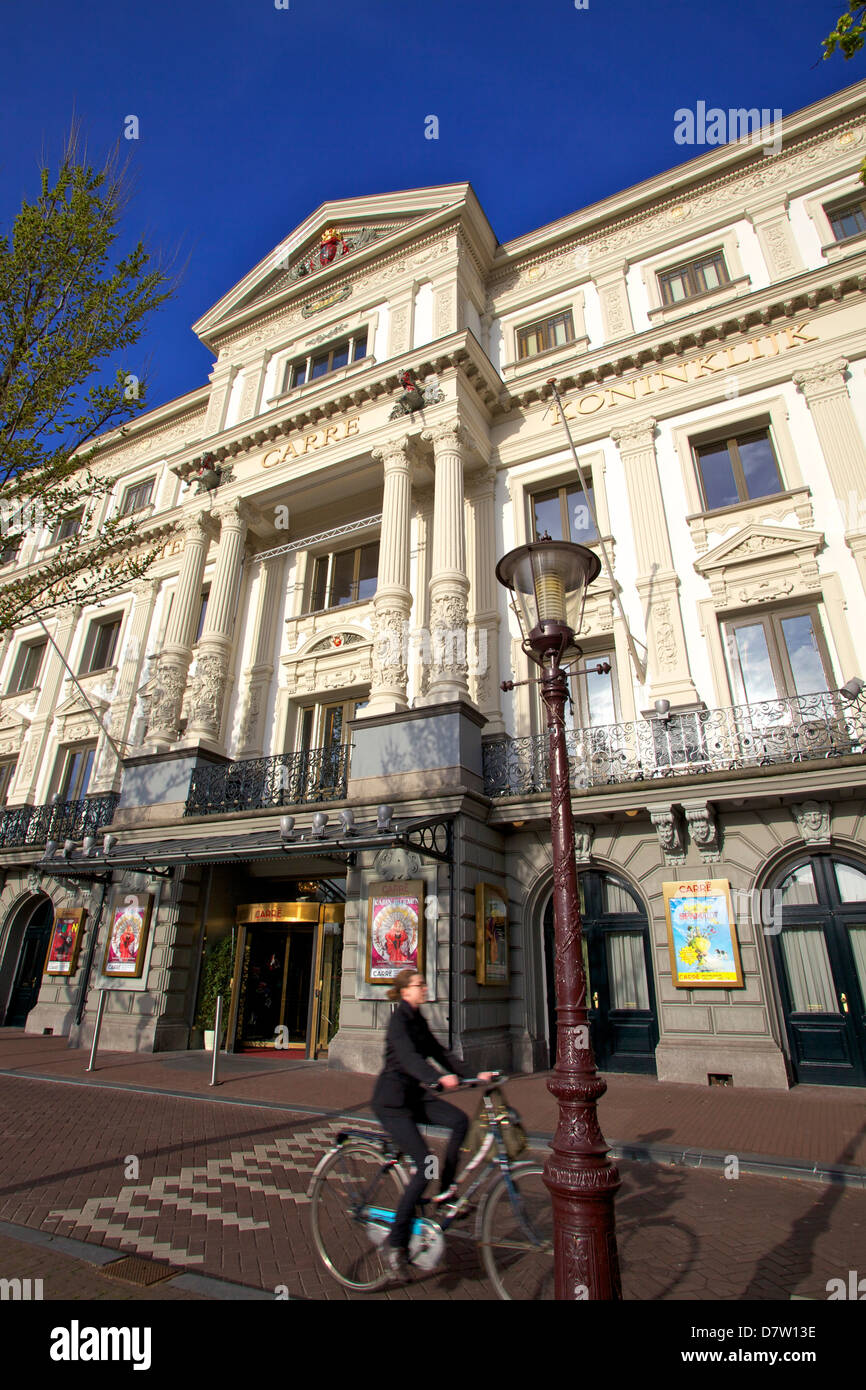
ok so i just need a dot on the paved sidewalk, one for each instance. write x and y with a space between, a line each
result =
219 1189
786 1132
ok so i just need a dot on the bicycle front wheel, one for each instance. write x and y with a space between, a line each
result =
517 1236
349 1240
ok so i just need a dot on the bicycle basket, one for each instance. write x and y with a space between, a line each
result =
510 1127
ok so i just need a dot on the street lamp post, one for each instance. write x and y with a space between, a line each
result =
549 580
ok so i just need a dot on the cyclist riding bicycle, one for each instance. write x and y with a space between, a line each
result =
400 1103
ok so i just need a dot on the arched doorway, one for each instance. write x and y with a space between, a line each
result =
33 930
820 959
616 957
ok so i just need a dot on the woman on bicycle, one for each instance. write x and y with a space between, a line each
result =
400 1103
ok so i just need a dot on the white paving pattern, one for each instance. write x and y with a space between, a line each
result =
243 1170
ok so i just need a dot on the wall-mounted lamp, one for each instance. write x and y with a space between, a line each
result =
320 820
347 822
287 828
663 709
88 845
108 843
68 847
384 817
853 688
50 849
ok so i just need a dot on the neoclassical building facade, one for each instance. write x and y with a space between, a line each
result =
297 718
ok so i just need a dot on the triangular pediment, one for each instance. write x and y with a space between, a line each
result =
756 541
337 236
76 705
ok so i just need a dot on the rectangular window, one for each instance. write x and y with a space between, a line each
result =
692 278
312 366
136 497
773 656
554 332
347 576
68 527
9 547
562 514
847 219
100 646
738 468
7 772
28 663
74 768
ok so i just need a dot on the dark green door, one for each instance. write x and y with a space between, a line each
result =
620 996
820 957
28 976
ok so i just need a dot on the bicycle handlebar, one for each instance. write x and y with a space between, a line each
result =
467 1083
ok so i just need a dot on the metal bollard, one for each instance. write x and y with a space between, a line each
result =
103 995
217 1030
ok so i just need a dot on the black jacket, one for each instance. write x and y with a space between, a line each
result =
408 1044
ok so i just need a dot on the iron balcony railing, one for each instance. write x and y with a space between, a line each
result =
56 820
775 731
290 779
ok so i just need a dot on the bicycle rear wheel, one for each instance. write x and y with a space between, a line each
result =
353 1180
517 1239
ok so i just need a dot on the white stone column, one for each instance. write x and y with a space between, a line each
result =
449 583
657 580
260 673
826 393
210 683
419 637
109 771
171 670
393 602
483 614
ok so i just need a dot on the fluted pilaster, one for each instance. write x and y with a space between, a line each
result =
210 683
449 582
657 581
260 673
393 602
483 631
171 671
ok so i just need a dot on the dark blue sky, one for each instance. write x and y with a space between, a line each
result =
251 116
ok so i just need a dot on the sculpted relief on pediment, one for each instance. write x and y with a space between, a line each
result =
762 563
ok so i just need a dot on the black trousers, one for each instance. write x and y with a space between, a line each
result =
402 1126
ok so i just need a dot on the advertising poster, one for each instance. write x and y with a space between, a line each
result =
702 934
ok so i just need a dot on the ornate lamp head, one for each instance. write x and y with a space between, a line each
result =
549 580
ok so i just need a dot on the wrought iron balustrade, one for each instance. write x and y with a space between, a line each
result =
775 731
289 779
56 820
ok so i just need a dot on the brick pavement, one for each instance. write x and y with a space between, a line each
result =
221 1189
810 1125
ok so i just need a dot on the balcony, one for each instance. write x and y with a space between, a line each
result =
21 826
290 779
702 741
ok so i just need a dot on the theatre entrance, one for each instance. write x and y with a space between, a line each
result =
621 1008
288 966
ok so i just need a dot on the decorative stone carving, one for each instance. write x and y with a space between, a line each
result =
397 863
166 698
670 834
250 721
390 647
822 375
207 690
666 645
584 834
448 635
813 821
704 830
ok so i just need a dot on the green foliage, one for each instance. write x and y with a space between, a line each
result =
216 978
69 310
850 32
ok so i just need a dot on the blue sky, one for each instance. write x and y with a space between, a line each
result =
251 116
